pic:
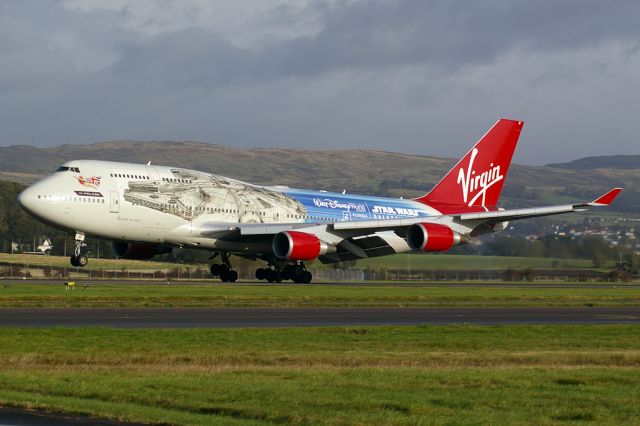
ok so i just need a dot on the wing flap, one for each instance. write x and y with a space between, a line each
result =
505 215
369 246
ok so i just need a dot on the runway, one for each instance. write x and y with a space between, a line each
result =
303 317
15 416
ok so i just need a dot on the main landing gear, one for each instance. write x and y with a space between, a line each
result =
224 270
296 273
79 256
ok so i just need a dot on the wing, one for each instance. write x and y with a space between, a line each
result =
483 217
373 238
517 214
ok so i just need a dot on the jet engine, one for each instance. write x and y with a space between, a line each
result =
432 237
295 245
139 251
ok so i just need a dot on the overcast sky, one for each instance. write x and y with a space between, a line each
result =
414 76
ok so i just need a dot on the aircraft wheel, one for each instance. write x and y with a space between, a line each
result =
215 269
261 274
224 276
306 277
277 276
74 261
83 260
269 275
287 273
232 276
298 270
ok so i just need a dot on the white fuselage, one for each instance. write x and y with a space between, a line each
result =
168 205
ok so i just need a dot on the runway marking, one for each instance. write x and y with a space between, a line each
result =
618 317
312 316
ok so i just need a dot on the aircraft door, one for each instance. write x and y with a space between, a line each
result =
115 202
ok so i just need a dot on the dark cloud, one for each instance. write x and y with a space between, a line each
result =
424 77
452 33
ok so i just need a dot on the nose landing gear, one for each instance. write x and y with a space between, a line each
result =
79 256
224 270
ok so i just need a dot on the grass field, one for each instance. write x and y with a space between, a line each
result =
229 295
362 375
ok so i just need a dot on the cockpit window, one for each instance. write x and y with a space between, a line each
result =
68 169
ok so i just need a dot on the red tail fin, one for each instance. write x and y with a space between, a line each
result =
475 183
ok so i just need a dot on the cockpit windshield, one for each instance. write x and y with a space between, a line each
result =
67 169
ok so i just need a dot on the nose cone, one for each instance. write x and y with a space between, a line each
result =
42 201
27 199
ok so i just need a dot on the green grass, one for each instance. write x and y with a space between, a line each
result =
229 295
430 261
362 375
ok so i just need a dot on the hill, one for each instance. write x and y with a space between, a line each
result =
357 171
602 162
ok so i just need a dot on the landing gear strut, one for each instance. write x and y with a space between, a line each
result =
224 270
79 256
296 273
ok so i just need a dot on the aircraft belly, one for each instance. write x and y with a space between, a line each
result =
243 247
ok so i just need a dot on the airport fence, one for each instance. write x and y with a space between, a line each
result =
52 272
15 271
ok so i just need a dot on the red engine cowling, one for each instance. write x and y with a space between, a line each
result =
138 251
295 245
432 237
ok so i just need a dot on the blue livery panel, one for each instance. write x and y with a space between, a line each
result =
329 206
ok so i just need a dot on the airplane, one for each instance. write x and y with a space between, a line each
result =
147 210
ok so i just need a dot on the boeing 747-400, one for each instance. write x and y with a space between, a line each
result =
149 210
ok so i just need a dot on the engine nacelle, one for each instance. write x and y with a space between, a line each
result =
295 245
139 251
432 237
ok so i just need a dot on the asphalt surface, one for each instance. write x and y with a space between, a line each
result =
443 284
15 417
300 317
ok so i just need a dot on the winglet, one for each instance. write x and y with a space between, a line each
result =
607 198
